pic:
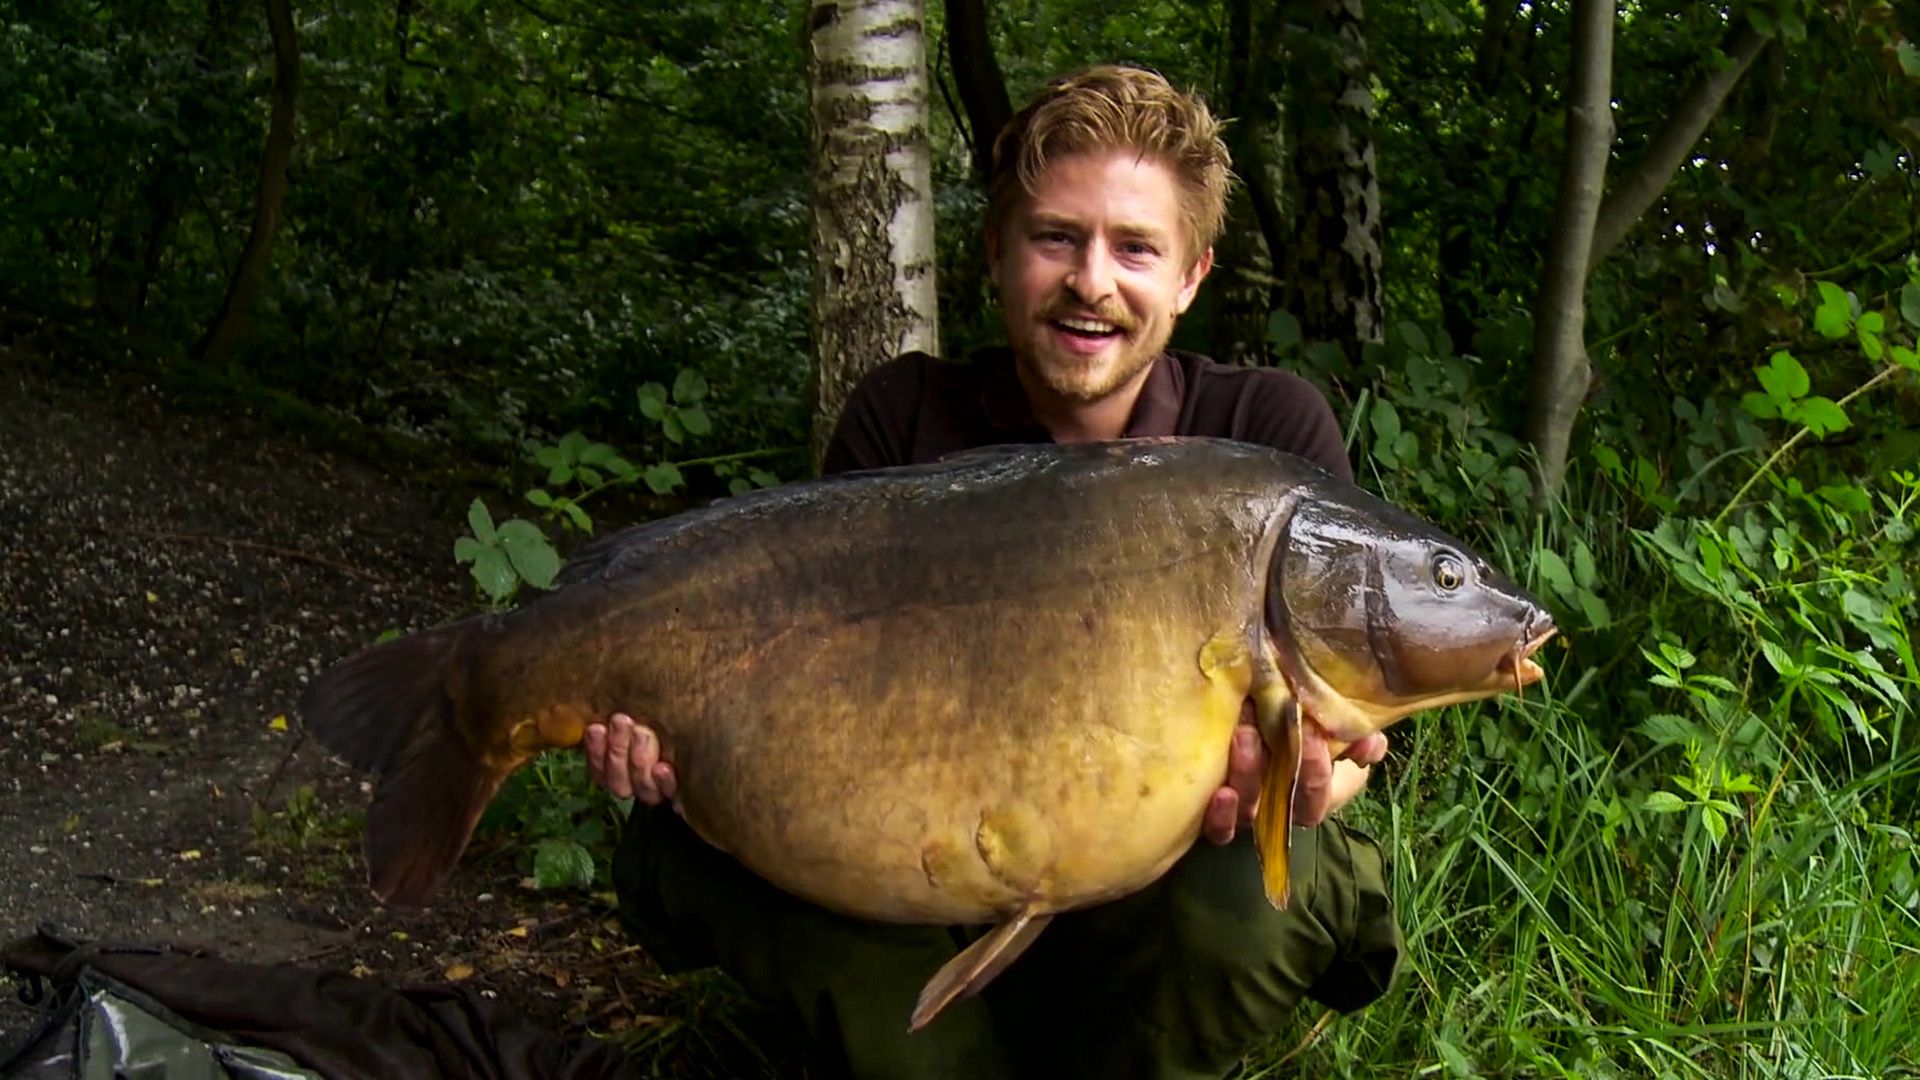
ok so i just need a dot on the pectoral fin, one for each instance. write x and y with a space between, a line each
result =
968 973
1277 714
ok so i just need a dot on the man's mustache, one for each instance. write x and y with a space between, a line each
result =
1067 306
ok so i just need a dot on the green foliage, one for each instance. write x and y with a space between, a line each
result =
560 826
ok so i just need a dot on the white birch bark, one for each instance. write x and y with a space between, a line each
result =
873 253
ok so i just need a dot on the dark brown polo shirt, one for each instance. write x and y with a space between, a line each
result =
918 408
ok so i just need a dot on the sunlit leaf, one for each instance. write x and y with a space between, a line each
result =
1785 380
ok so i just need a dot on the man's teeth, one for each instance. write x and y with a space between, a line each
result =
1087 326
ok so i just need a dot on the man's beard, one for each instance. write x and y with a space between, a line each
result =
1084 380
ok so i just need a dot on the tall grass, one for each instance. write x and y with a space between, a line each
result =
1690 854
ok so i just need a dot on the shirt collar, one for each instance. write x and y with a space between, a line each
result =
1004 401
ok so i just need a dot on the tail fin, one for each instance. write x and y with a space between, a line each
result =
390 710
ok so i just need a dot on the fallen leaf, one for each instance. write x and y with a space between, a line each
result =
459 970
398 935
359 970
151 598
518 931
190 854
278 723
152 882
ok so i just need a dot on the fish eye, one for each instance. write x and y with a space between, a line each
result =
1448 572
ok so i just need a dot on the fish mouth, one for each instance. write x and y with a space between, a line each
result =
1520 662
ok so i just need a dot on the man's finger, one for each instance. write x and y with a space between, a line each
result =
1223 816
619 782
594 743
1370 750
663 780
1246 762
644 756
1313 791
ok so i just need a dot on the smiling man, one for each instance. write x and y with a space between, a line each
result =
1107 194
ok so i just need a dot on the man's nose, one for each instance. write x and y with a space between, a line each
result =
1092 280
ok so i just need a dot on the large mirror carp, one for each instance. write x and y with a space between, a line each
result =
985 690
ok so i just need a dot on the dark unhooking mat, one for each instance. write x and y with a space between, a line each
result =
134 1011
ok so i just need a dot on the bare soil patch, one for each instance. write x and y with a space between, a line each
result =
167 584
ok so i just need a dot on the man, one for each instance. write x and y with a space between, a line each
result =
1108 192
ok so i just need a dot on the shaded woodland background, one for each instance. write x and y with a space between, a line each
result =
567 243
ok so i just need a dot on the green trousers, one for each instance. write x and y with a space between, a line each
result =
1178 980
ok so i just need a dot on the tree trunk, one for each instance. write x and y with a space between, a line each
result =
251 271
1560 371
873 277
983 91
1637 190
1334 262
1246 287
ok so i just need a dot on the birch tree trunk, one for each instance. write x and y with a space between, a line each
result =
873 269
1333 266
251 271
1560 371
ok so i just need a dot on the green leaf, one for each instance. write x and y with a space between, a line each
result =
1906 358
1909 58
689 387
1778 657
1283 330
1871 322
763 478
1910 303
1846 497
480 522
675 431
1831 319
532 556
1715 823
623 469
1595 609
1457 1063
1667 729
494 574
578 516
1553 570
1821 416
571 444
1665 802
559 864
466 549
597 454
1415 338
559 474
739 485
695 420
1784 378
653 400
663 478
1584 572
1385 420
1608 459
540 498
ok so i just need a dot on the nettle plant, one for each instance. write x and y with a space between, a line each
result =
518 552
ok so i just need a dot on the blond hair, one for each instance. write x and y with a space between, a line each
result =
1112 107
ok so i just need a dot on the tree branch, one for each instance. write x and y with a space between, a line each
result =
1638 189
976 74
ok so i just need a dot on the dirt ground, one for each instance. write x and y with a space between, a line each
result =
167 584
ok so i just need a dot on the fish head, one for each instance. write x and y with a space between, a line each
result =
1377 615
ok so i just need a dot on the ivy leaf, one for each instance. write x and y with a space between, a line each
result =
1784 378
1821 416
689 387
480 522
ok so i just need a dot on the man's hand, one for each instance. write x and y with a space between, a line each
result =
623 756
1325 784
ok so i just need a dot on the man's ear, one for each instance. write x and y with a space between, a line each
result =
1190 281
